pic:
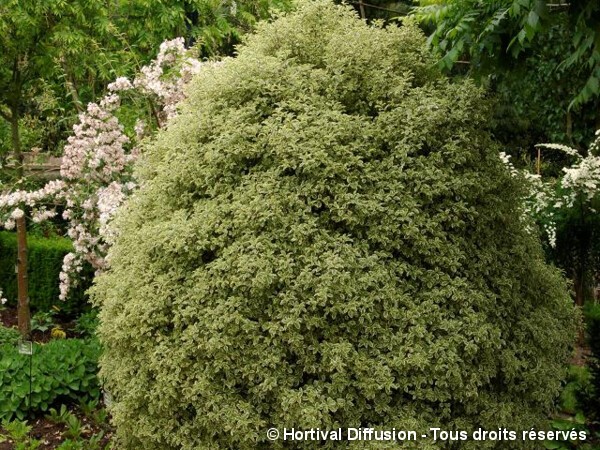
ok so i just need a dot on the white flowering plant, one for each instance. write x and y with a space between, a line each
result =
565 208
549 200
96 170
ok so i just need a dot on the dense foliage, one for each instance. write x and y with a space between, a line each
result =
541 61
48 41
8 336
96 169
486 30
593 328
44 263
325 236
61 370
542 58
565 206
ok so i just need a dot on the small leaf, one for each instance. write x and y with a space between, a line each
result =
533 20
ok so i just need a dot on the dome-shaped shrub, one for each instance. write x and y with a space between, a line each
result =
326 237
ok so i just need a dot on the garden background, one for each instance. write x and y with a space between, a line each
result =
313 214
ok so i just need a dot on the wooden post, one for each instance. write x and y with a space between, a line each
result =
23 312
363 15
539 161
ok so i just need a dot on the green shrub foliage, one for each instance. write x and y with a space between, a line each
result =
593 329
9 335
44 263
61 370
326 237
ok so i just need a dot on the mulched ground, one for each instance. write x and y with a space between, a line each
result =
52 434
8 318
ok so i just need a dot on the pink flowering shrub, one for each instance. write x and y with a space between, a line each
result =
96 171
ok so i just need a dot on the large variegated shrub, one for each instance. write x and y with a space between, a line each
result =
326 237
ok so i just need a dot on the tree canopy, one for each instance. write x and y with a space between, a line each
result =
58 55
543 56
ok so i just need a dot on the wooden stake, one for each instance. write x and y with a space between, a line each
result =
23 312
363 15
539 160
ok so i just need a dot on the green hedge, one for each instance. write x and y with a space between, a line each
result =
44 262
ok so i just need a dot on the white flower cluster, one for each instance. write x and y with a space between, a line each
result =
109 199
563 148
583 177
97 163
509 165
548 199
537 202
9 201
71 264
140 129
41 215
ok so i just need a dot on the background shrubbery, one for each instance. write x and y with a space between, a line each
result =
326 237
44 262
593 328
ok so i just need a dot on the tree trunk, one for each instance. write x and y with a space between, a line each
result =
15 101
23 312
579 285
16 140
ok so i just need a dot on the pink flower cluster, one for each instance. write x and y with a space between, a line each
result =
97 147
167 91
27 198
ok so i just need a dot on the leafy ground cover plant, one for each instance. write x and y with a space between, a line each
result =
9 336
64 428
42 321
87 323
61 369
325 236
17 433
574 412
